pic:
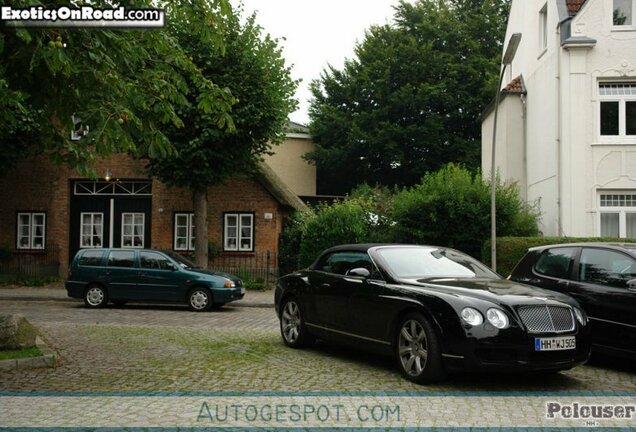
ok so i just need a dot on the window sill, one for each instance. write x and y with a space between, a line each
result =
238 253
626 28
30 251
615 142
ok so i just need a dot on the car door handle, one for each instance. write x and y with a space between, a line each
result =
563 283
325 285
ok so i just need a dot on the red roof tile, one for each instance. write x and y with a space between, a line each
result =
574 6
515 86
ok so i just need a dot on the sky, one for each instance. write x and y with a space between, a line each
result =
317 33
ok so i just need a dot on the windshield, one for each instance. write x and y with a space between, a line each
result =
428 262
181 260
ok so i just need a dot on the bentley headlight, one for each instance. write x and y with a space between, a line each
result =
472 316
580 316
497 318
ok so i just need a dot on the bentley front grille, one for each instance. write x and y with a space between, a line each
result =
547 319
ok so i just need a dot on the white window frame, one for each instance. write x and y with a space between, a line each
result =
190 234
543 29
30 245
624 27
132 235
622 100
92 226
622 211
239 235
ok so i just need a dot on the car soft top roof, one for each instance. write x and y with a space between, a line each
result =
364 247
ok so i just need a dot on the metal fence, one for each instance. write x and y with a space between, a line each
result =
32 264
258 270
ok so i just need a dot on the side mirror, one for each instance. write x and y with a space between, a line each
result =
172 267
360 272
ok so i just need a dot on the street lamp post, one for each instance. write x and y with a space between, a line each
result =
511 50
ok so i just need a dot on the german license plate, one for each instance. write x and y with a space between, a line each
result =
555 343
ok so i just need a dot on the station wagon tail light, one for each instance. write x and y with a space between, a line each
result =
580 316
229 284
497 318
472 316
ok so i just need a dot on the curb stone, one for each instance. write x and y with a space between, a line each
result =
48 359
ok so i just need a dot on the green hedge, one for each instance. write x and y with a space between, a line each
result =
511 249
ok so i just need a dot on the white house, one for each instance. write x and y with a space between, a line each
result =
567 119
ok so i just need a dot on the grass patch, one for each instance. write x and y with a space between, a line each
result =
18 354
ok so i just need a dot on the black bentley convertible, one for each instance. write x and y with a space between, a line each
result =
435 309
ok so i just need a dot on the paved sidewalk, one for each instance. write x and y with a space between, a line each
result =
57 292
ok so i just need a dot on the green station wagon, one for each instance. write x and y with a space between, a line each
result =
120 275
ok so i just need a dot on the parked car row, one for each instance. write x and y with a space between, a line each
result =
436 310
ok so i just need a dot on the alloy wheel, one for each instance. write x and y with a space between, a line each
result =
290 320
413 347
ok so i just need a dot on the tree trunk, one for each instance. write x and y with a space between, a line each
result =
200 201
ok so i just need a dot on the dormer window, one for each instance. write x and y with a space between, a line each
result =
623 13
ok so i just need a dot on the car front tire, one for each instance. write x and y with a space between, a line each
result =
418 350
292 325
96 296
200 299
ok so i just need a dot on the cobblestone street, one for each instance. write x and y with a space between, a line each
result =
169 348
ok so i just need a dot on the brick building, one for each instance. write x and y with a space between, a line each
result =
48 212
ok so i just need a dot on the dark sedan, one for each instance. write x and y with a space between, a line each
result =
434 309
601 276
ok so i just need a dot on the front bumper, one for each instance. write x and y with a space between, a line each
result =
506 353
226 295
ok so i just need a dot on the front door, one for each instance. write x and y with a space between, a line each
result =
157 278
110 214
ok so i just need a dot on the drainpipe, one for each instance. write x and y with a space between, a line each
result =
524 143
559 140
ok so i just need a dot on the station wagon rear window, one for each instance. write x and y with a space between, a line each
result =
121 259
91 258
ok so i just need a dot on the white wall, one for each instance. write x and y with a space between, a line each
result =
567 162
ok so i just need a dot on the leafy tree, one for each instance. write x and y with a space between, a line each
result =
451 207
254 69
125 85
410 99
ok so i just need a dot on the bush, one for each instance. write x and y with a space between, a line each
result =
451 207
510 250
289 245
349 221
